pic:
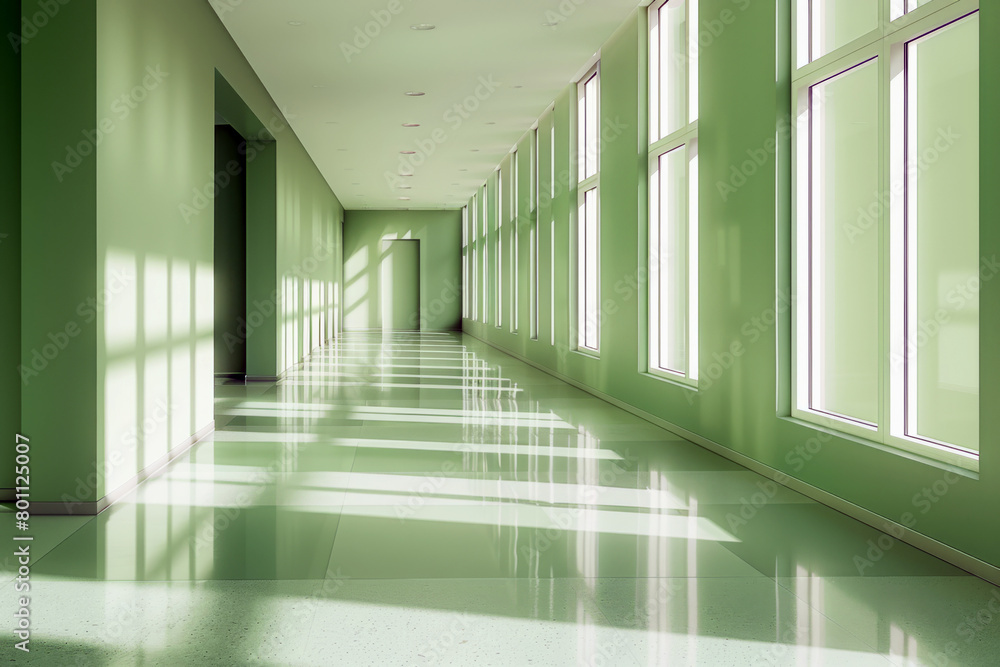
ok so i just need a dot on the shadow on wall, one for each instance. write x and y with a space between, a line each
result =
439 291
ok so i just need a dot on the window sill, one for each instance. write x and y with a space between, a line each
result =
675 381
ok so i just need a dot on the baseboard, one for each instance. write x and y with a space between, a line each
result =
91 508
950 554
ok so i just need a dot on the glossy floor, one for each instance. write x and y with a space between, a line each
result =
424 499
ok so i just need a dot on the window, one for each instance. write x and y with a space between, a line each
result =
673 190
533 258
475 258
587 236
552 233
515 259
465 262
498 244
484 243
533 195
887 221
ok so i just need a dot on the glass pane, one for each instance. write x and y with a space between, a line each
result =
592 269
670 261
673 67
834 23
943 275
533 280
844 245
913 4
581 155
581 275
592 127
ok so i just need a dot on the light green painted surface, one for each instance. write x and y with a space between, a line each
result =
142 209
440 236
10 237
405 489
744 283
59 405
487 72
400 285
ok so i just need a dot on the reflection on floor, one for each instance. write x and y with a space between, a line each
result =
422 499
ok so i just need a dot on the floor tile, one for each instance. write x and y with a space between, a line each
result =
705 621
180 542
46 532
783 540
435 541
912 620
462 622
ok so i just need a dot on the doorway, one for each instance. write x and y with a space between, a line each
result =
230 255
400 285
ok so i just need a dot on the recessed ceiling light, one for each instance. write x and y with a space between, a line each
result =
404 199
414 93
295 23
405 187
405 175
411 124
422 26
549 24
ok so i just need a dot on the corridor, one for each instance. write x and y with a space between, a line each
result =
422 499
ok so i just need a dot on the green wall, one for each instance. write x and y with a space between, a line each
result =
744 273
10 238
440 236
135 222
59 409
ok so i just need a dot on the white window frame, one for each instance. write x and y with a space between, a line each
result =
465 262
484 239
552 228
533 241
887 44
498 245
475 257
684 139
515 250
585 185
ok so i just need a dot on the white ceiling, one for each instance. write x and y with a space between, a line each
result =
350 115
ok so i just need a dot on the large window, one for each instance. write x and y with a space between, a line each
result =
887 268
515 250
673 188
475 257
533 258
588 228
552 230
485 245
498 245
465 262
